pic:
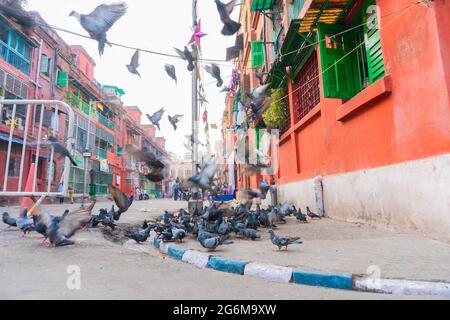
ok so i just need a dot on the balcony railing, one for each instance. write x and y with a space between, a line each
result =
14 58
105 121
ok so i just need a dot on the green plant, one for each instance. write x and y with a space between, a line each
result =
274 117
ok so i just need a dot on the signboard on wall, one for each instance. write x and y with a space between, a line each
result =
104 167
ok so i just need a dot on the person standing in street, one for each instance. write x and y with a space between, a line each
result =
71 191
60 190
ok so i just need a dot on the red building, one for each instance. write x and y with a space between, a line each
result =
368 107
39 64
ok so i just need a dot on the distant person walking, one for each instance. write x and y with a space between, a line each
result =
60 190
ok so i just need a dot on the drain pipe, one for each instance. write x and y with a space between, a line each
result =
318 192
36 82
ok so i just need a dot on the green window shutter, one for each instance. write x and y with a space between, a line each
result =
257 53
375 60
236 101
338 72
63 79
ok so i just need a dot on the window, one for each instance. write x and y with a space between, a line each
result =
307 88
257 53
351 61
45 65
63 79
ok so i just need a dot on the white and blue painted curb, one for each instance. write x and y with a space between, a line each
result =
343 281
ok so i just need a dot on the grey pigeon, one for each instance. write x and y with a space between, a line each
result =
214 71
178 234
212 243
15 9
170 69
174 120
141 234
260 76
60 233
134 64
25 223
7 219
155 166
248 233
60 149
312 215
189 56
156 117
260 92
99 21
121 200
225 89
300 216
230 27
283 241
204 180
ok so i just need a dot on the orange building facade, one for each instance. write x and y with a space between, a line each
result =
369 108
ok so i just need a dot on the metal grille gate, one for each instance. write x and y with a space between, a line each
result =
32 138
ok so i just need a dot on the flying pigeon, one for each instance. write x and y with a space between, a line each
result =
230 27
99 21
188 56
15 10
170 69
204 180
259 92
59 148
260 76
214 71
121 200
134 64
312 215
155 166
156 117
225 89
59 233
7 219
174 120
283 241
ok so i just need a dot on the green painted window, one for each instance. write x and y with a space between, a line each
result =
257 53
351 61
338 69
63 79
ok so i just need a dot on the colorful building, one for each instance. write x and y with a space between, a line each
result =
366 87
39 64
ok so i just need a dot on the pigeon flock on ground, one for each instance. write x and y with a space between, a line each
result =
212 226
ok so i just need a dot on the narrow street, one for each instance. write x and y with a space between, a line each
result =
29 270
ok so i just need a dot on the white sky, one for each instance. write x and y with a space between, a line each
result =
158 26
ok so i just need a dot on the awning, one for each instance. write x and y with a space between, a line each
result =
262 5
322 11
5 137
294 51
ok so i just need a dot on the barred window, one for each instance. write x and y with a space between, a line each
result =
307 88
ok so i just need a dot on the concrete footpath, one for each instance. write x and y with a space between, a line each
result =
334 254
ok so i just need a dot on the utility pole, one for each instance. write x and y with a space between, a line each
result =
86 155
194 99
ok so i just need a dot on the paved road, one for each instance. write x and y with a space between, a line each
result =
29 270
